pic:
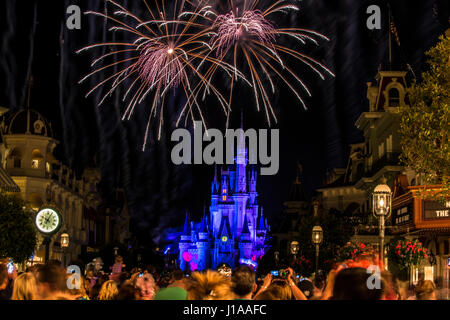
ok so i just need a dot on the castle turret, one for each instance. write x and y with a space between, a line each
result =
245 243
261 232
203 245
185 242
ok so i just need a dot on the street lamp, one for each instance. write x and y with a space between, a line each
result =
382 198
317 238
295 248
64 245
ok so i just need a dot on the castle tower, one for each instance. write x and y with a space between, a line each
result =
203 245
185 243
224 251
245 243
261 232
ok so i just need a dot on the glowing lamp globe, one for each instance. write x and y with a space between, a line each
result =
295 247
64 240
317 235
382 198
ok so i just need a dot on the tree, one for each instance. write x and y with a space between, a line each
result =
17 232
424 127
336 234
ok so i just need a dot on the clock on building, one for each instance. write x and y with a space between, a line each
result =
48 221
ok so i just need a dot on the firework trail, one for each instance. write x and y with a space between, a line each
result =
166 53
247 32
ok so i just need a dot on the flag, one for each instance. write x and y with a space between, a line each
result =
395 32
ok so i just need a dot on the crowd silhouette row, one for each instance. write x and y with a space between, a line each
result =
345 282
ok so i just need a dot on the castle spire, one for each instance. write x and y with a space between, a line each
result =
187 226
203 227
215 186
245 228
261 223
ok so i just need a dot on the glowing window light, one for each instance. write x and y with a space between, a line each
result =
224 198
224 239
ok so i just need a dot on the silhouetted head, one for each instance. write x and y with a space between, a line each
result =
357 284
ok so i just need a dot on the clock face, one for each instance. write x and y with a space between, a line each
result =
48 220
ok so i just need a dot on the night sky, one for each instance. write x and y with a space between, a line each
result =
34 40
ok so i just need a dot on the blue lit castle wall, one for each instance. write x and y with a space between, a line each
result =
235 228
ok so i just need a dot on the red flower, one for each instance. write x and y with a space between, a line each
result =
363 245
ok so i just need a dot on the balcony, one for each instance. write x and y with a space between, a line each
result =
389 159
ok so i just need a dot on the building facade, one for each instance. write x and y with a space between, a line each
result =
26 154
235 228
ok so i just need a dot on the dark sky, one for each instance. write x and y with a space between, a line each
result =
34 40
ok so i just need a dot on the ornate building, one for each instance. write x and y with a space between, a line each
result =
235 229
26 154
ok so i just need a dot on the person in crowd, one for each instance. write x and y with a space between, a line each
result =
51 281
307 287
178 279
146 285
95 290
117 268
164 280
124 276
108 291
425 290
209 286
25 287
243 283
4 280
392 287
128 292
91 278
351 284
282 289
80 292
171 293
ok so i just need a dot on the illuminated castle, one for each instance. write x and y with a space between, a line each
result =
235 228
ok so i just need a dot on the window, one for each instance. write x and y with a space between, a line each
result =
35 164
224 191
48 167
394 97
17 163
224 198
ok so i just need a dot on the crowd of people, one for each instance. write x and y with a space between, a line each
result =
51 281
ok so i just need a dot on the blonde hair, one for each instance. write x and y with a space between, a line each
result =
108 291
280 290
25 287
209 286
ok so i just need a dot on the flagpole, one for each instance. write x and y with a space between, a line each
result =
390 37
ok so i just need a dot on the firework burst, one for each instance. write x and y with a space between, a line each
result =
247 31
165 54
186 50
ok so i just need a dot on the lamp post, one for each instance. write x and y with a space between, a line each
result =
64 246
382 199
317 238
